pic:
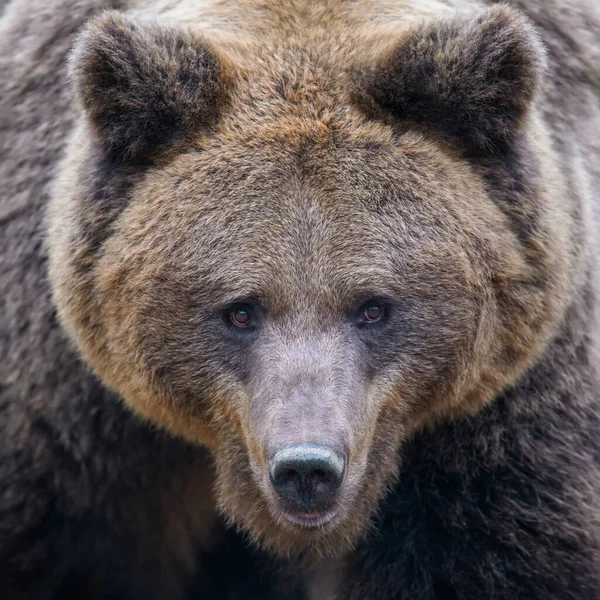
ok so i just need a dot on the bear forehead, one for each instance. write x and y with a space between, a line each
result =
297 164
312 174
346 214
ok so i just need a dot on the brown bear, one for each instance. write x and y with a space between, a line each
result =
339 260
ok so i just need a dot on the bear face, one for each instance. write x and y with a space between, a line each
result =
279 262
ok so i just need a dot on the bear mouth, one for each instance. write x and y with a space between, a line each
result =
311 520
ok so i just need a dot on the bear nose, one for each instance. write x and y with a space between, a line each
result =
307 476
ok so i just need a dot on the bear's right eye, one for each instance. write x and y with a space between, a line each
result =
240 317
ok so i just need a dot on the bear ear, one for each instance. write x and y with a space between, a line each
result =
145 87
472 77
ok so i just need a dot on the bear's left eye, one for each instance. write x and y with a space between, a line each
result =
373 312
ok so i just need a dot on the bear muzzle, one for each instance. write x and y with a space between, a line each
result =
307 478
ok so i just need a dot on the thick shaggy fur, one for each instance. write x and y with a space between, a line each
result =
150 96
301 157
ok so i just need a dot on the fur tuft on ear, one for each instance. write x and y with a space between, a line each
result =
145 87
472 77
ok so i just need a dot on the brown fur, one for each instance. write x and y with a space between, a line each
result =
317 155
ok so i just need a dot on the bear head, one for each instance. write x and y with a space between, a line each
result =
297 252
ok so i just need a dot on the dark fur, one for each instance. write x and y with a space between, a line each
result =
281 175
502 504
474 79
145 89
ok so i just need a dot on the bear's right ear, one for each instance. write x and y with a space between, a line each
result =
145 87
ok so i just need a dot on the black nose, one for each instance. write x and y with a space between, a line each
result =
307 476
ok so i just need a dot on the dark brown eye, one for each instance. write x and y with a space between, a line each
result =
240 317
373 312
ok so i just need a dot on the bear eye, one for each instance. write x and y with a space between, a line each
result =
240 317
372 312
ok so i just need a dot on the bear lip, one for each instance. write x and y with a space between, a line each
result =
310 519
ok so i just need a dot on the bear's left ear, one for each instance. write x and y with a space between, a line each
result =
145 87
472 78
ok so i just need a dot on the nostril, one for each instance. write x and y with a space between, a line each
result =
322 477
322 482
290 475
286 476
